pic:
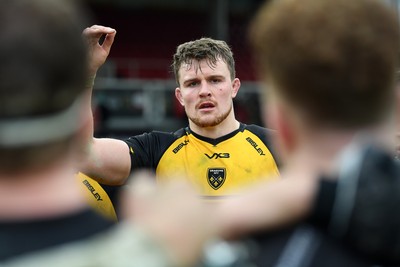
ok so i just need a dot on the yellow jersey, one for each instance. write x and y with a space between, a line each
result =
216 167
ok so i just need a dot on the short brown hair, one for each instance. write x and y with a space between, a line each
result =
334 60
204 48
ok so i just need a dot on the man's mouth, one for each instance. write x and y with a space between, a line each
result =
206 105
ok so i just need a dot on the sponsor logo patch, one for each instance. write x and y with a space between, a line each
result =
218 155
255 145
180 146
92 190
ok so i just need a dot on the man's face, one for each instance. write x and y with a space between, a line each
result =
206 92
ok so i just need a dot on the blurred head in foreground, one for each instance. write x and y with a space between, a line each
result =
328 65
42 75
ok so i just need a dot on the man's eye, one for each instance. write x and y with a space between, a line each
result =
193 84
215 80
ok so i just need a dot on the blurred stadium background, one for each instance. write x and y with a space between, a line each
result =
135 87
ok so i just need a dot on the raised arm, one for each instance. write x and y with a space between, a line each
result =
105 160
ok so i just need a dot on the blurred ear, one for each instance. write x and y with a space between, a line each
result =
398 105
277 117
397 115
178 95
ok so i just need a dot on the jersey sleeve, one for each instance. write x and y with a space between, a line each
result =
147 149
267 136
97 196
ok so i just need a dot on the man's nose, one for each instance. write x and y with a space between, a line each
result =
205 89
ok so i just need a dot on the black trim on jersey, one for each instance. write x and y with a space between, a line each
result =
148 148
158 142
181 132
114 192
24 236
266 135
218 140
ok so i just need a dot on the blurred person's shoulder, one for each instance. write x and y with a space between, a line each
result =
359 207
121 245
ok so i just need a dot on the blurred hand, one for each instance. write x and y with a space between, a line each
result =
172 214
98 53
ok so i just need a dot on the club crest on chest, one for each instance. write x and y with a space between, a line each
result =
216 177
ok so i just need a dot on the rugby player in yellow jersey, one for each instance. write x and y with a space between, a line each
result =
217 153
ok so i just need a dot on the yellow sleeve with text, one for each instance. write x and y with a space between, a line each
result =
97 197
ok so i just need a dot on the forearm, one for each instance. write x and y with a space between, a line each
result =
108 161
270 205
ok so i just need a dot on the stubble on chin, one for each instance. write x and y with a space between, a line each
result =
200 122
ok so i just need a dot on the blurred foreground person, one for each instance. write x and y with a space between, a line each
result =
44 217
397 146
328 69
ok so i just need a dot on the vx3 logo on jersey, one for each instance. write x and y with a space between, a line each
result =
218 155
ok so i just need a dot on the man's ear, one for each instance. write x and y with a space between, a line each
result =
178 95
235 87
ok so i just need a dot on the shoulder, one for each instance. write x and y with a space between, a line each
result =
306 246
147 149
350 208
181 132
123 239
259 130
266 135
156 136
47 233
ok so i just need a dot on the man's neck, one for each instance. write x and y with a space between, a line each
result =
316 153
48 193
224 128
319 152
